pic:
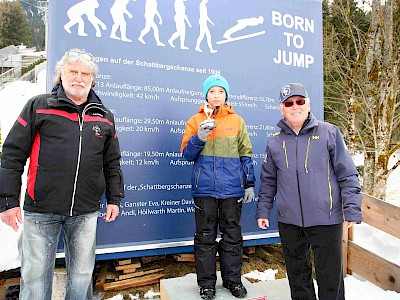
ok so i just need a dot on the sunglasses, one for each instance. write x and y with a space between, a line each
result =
75 54
298 102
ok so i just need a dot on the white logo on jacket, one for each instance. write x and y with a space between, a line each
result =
96 130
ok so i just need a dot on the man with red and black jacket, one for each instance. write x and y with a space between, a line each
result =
70 139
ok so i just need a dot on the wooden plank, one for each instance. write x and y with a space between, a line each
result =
129 275
139 273
264 255
129 268
186 257
134 282
381 215
101 278
9 282
149 259
345 243
111 275
276 251
375 269
151 271
124 262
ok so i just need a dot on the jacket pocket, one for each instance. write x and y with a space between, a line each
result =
121 184
197 178
94 184
50 185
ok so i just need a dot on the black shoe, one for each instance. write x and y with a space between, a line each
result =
207 292
237 289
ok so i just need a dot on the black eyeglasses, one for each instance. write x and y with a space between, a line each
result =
76 54
298 102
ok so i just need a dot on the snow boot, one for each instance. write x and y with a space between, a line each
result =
237 289
207 292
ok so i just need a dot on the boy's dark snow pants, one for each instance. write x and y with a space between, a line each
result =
326 243
211 213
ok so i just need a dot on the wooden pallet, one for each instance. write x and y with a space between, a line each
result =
133 282
5 283
128 273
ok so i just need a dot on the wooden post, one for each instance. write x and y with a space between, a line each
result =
345 245
347 236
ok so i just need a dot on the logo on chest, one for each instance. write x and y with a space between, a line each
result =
97 131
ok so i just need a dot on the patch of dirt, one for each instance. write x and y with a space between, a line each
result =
261 258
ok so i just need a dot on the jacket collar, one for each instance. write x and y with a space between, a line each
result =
222 111
309 123
59 98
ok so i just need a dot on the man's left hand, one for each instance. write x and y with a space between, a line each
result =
349 224
112 212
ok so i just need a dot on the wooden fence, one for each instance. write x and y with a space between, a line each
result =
383 273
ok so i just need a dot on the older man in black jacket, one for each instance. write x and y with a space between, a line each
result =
70 139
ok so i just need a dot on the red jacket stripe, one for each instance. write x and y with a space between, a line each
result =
33 164
71 116
88 118
22 121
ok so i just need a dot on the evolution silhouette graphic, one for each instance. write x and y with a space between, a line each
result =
119 12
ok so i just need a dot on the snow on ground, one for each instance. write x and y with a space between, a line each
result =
13 98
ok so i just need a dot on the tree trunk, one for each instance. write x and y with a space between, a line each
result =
382 91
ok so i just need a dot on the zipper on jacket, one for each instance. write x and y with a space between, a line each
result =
240 178
246 171
330 189
307 152
215 163
298 183
81 120
284 149
78 162
197 178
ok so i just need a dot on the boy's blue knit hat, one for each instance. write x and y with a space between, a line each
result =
215 80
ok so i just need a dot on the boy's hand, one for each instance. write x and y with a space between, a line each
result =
248 195
204 131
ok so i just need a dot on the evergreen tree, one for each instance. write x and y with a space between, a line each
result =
14 27
38 33
35 11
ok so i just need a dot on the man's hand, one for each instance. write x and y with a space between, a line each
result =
11 216
263 223
248 195
348 224
112 212
203 131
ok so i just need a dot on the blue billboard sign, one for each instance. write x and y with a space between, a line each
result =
153 58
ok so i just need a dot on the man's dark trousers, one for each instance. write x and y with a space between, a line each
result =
326 243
